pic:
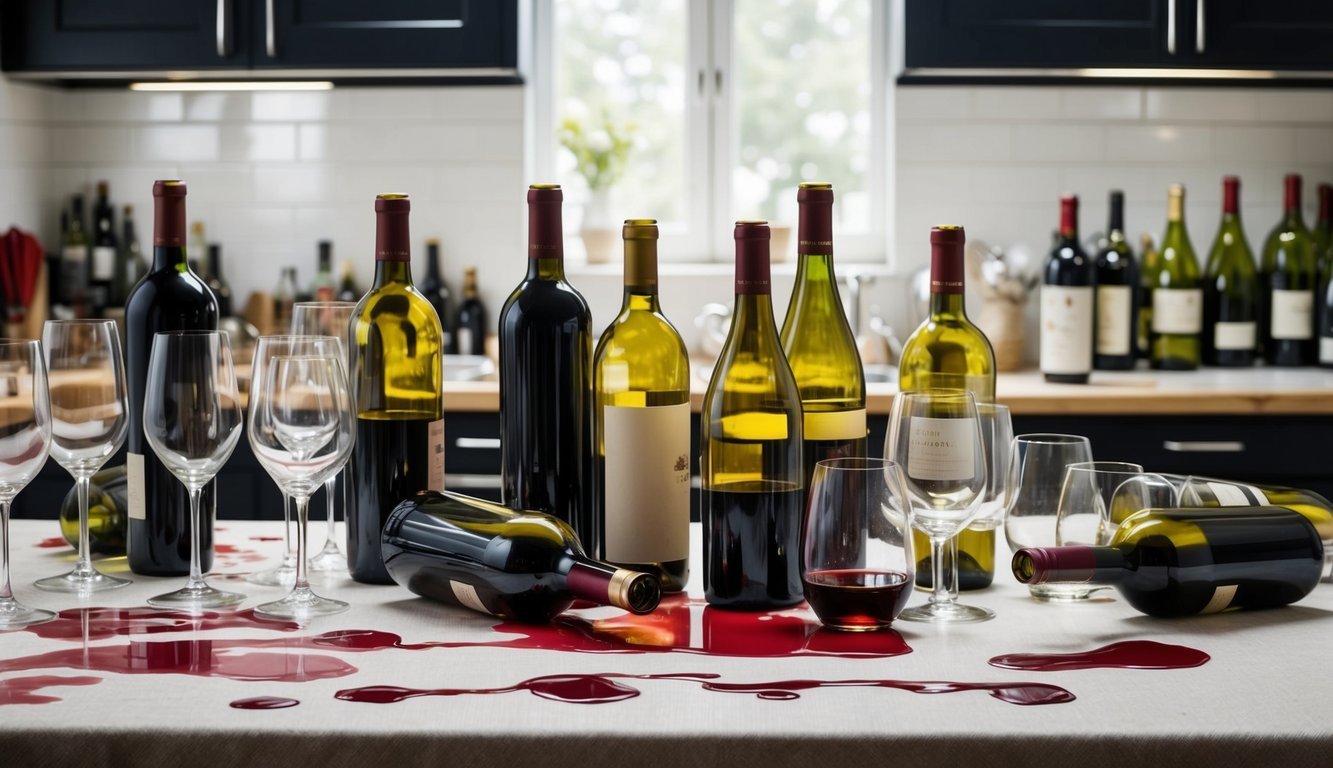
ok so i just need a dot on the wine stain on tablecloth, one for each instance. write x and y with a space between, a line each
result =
23 690
1129 654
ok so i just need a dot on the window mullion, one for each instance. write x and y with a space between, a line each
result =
722 154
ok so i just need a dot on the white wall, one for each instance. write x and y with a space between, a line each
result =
23 151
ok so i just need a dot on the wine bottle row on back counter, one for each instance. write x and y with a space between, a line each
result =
1102 313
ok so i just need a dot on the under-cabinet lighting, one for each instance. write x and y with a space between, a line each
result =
235 85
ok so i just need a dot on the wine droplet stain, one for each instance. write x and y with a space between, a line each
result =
53 542
23 690
264 702
1129 654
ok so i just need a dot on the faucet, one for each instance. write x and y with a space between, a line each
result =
877 344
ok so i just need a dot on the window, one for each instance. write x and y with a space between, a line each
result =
729 105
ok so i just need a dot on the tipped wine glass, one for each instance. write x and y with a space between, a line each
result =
327 318
25 441
192 420
936 438
90 416
301 432
1097 496
1034 481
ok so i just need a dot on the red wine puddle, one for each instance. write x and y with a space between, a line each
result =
101 623
608 688
1129 654
53 542
200 658
264 702
23 690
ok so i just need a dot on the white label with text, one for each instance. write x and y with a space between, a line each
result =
647 483
1177 310
1066 329
1115 305
942 449
1233 336
1292 314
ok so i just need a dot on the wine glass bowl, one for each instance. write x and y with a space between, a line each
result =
25 442
1097 496
1035 479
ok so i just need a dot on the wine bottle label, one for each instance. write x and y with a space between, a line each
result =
1177 310
1292 314
1115 304
436 452
465 341
467 596
1230 336
1238 495
134 484
942 449
1066 329
1222 597
104 262
75 253
835 425
647 491
1326 349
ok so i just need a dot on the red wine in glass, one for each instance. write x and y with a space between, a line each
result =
857 598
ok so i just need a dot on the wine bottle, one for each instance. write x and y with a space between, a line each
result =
1324 293
436 292
1067 304
1230 289
108 504
752 495
818 341
546 381
1287 278
323 288
521 565
102 266
1117 278
74 257
397 384
1147 279
1177 299
1323 227
641 394
216 282
284 296
170 297
470 324
948 352
1212 492
348 291
137 266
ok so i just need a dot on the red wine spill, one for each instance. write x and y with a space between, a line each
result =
201 658
265 538
608 688
53 542
264 702
23 690
666 630
101 623
1130 654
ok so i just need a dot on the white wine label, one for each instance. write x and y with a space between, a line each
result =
1326 349
436 449
467 596
134 484
835 425
1177 310
647 492
77 253
941 449
1238 495
1222 597
465 341
1229 336
1115 305
104 262
1066 329
1293 314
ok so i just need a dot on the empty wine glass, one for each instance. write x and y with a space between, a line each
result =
25 441
192 420
327 318
857 564
90 417
1034 480
936 438
1097 496
301 432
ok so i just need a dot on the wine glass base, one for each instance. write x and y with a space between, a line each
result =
15 615
301 603
329 561
1063 593
947 613
282 576
81 582
196 597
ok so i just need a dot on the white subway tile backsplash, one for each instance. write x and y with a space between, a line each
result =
297 184
1050 143
929 143
1264 144
480 183
23 145
225 106
285 106
1089 181
934 182
215 184
1015 103
1299 105
1101 103
258 143
177 143
1180 104
1159 143
88 144
926 103
1017 184
497 103
1315 145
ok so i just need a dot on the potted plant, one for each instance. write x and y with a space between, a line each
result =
600 153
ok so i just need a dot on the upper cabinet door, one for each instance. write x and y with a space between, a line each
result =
1262 34
388 34
99 36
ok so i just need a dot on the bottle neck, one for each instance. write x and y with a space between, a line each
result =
605 585
169 257
1071 565
1115 226
387 272
432 263
947 280
546 241
215 263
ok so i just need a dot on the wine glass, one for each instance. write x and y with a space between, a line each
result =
267 348
301 432
327 318
936 438
857 564
1034 480
192 420
25 441
90 416
1097 496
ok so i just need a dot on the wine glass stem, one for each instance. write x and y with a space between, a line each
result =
330 493
302 518
287 518
84 563
944 570
6 591
196 575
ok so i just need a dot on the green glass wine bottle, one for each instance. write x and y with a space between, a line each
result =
1287 277
1177 300
1230 289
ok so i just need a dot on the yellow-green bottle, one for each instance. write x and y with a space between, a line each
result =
1177 297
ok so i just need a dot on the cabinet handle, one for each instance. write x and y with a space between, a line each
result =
485 443
224 28
1170 26
1204 446
1198 26
271 33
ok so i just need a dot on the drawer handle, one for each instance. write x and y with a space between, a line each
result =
484 443
1204 446
491 482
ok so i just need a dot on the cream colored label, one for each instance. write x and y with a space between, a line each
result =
835 425
1326 349
1292 314
467 596
1237 495
1115 305
941 449
1066 329
134 484
1177 310
104 262
465 341
1233 335
647 483
436 449
1222 597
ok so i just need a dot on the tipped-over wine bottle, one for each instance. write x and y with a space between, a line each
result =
520 565
1214 492
1178 562
1177 300
1230 289
108 502
1287 278
1067 304
1117 294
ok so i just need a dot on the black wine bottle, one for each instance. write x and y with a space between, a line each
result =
519 565
436 291
1067 304
216 282
1178 562
470 324
1117 284
170 297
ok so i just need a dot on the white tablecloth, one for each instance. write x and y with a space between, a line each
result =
1262 700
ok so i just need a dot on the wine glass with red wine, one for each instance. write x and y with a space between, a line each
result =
858 566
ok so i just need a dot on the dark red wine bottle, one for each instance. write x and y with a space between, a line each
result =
520 565
169 298
1067 304
1178 562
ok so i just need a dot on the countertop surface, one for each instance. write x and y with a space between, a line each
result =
115 683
